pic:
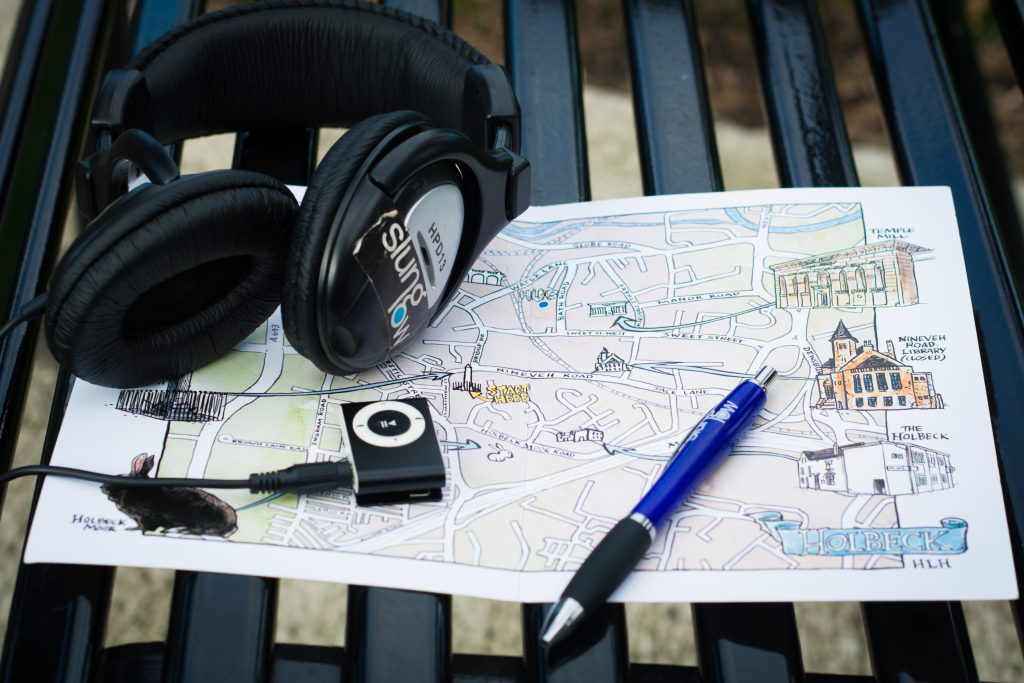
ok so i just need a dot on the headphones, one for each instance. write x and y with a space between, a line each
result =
172 273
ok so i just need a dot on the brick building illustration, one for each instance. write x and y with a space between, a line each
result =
871 275
861 377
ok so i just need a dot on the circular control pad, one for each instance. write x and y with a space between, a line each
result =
388 424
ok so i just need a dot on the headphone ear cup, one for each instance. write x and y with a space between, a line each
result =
333 177
170 277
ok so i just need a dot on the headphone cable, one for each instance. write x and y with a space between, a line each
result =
308 477
32 309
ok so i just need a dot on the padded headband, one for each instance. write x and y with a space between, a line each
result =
301 63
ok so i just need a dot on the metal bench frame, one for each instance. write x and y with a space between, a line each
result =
222 627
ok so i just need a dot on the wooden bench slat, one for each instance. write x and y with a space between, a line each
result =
394 635
675 130
542 57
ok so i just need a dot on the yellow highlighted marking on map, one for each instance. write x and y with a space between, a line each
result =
504 393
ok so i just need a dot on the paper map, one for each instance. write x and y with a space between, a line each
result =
585 342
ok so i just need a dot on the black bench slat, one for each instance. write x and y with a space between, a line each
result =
394 635
926 127
542 57
597 651
46 90
675 130
58 616
805 120
663 673
487 669
16 286
382 621
812 149
748 642
435 10
221 628
57 612
678 154
950 26
23 56
906 645
152 18
132 663
308 664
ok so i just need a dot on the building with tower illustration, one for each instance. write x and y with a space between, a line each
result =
609 362
871 275
861 377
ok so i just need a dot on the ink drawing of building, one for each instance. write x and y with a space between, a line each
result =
607 308
861 377
176 402
585 434
486 277
883 467
609 362
871 276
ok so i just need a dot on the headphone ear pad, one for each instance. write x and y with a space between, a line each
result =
170 277
333 177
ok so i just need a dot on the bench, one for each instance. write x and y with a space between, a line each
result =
222 627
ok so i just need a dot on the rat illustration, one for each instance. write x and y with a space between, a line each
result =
172 508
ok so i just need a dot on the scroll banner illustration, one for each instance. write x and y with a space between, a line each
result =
948 539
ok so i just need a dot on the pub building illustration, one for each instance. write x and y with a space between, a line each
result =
871 275
861 377
883 467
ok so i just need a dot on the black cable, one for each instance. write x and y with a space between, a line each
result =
310 477
33 308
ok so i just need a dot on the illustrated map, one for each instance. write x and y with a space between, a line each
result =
583 345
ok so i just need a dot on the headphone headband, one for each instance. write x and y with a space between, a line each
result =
293 63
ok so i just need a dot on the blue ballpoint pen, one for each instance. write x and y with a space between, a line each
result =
618 553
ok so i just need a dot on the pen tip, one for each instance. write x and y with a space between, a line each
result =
561 621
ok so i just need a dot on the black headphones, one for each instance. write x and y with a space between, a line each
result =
172 274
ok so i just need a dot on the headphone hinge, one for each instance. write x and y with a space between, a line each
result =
490 104
122 102
104 176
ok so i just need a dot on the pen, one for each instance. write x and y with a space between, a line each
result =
618 552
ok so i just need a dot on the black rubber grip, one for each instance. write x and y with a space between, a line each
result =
609 564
